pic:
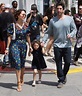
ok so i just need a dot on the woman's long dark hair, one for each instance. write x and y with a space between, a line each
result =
18 12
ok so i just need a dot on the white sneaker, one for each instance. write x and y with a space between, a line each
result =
34 83
39 81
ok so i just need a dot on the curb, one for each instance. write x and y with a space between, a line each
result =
7 69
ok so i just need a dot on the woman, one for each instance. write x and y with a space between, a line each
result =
2 7
46 19
17 48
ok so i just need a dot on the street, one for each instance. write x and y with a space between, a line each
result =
73 87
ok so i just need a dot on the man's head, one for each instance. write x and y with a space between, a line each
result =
14 4
80 9
60 8
34 8
67 12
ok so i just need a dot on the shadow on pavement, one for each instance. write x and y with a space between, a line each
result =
51 60
8 85
49 83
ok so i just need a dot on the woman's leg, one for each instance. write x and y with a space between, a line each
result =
49 45
18 74
22 76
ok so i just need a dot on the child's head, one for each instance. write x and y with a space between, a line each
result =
35 44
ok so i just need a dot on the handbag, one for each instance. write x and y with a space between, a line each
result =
6 60
2 47
14 34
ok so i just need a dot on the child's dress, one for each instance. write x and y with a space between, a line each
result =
38 61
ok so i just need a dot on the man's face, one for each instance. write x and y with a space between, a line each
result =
15 5
80 9
60 10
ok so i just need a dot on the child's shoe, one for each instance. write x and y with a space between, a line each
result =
34 83
39 81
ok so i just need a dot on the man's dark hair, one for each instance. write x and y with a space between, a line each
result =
60 4
33 7
67 12
14 2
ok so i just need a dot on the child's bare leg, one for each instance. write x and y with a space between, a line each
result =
34 77
40 75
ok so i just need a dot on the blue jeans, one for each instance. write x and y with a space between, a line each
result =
66 54
45 38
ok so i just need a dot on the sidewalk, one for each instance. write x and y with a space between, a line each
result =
51 66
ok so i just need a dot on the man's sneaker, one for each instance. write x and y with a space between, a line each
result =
60 85
65 80
34 83
39 81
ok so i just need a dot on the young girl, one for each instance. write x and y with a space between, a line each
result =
38 61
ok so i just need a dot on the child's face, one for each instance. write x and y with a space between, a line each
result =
36 46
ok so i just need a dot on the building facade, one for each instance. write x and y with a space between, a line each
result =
43 4
26 4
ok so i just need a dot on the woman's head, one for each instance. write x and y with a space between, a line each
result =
2 6
35 44
20 14
49 13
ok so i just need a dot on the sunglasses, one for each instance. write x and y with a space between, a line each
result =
80 8
24 15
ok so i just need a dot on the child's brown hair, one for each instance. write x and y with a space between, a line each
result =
36 41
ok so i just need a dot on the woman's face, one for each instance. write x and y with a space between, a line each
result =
3 7
22 16
36 46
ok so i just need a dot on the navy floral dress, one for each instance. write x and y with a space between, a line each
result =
18 47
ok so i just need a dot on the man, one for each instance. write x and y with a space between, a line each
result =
35 22
14 6
78 22
78 17
62 28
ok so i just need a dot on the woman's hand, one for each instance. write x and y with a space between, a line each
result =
30 51
6 51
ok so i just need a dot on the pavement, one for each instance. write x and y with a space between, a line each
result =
48 87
